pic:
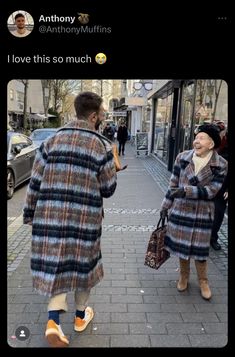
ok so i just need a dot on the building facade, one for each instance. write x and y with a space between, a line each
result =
15 101
178 108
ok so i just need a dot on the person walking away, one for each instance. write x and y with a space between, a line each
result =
197 177
221 198
122 135
72 173
108 132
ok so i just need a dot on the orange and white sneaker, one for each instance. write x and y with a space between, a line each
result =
55 335
81 324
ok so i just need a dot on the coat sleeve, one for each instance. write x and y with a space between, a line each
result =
34 185
107 176
174 182
208 192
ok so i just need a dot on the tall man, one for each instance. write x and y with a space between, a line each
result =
72 173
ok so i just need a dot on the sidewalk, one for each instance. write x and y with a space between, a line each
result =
135 306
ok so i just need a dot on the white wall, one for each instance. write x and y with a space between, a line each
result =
14 85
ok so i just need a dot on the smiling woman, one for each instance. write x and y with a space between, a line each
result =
196 179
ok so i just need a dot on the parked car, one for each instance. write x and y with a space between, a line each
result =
20 157
39 135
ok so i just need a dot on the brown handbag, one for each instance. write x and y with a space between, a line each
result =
156 254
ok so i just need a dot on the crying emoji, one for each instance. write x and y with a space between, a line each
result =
100 58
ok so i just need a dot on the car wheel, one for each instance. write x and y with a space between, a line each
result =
10 184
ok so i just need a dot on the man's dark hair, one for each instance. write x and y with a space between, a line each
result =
86 103
19 15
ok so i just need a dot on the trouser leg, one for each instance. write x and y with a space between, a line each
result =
123 147
119 148
81 298
58 302
220 207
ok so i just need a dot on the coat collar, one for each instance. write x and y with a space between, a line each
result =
82 124
187 158
207 172
86 126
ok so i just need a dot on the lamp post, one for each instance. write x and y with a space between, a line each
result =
142 86
143 83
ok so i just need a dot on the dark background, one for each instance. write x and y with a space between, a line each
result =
148 40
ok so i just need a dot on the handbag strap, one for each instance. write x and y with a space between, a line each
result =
162 222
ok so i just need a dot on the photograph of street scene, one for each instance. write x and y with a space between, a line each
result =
92 167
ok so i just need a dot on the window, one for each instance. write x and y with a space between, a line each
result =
186 119
162 125
11 94
21 141
20 97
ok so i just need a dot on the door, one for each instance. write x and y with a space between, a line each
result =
21 162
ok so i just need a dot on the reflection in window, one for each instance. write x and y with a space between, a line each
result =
210 96
186 117
20 140
162 126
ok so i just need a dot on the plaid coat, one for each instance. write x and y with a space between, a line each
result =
72 172
190 218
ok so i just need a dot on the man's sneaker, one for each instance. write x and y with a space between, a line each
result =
81 324
55 335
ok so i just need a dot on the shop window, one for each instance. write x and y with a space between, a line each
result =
211 101
186 120
162 126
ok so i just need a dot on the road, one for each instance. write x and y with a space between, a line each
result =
15 204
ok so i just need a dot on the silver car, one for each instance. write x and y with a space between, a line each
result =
39 135
20 157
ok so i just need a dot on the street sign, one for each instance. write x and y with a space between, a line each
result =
142 142
118 114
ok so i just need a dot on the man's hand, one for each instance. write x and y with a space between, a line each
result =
163 213
177 192
226 195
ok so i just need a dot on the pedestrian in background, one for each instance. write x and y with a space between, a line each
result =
72 172
108 132
122 135
197 177
221 198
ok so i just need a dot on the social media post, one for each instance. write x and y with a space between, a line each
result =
94 168
92 149
73 22
41 39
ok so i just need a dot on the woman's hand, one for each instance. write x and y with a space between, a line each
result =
164 213
176 192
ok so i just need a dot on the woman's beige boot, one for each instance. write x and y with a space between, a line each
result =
184 274
202 278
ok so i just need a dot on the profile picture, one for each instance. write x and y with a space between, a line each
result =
20 23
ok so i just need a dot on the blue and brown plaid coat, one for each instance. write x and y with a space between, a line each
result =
190 218
72 172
